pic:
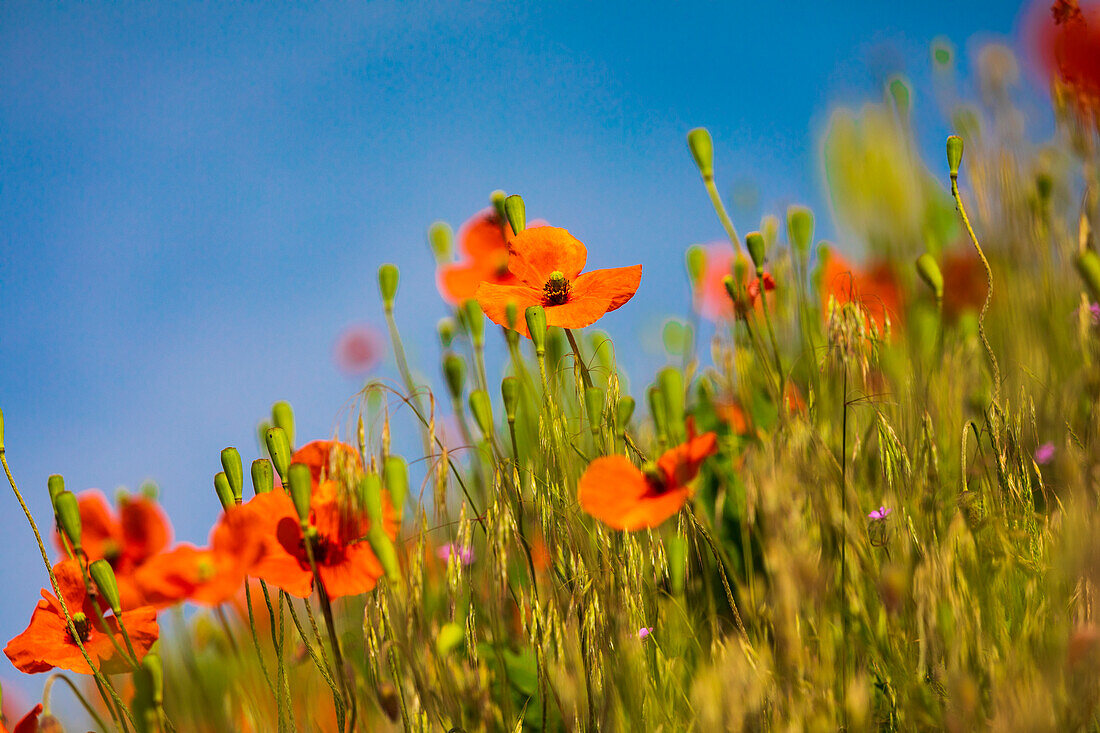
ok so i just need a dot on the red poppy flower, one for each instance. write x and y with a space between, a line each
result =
482 241
754 287
139 531
620 495
210 576
358 350
1068 43
711 299
964 282
47 643
27 724
874 288
346 563
548 261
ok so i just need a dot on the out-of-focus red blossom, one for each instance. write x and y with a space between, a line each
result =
211 575
346 563
732 414
711 299
47 643
27 724
358 349
874 287
484 248
139 531
1067 42
754 287
964 282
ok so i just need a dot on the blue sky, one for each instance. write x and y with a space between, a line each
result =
194 199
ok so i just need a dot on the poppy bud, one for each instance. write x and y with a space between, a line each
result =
396 474
731 287
623 412
446 330
902 95
536 326
234 471
263 480
929 271
1044 186
149 490
441 240
67 509
496 198
954 154
282 416
475 321
384 550
696 259
55 484
658 410
482 410
509 390
388 277
370 491
800 228
942 53
1088 265
754 242
301 489
515 212
702 149
671 383
153 667
511 314
593 402
450 636
454 370
223 490
104 576
278 447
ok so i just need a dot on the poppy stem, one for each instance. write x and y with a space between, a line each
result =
330 624
322 666
775 352
79 696
720 209
577 354
256 639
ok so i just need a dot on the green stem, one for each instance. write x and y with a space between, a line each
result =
577 355
83 701
720 209
256 640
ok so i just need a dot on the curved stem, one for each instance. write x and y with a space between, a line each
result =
76 691
720 209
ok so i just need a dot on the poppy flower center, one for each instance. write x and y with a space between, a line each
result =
557 288
655 477
83 628
322 546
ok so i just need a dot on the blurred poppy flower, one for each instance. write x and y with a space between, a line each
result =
964 282
622 496
27 724
875 288
139 531
47 642
485 250
210 576
548 261
358 349
338 528
1068 43
754 287
711 299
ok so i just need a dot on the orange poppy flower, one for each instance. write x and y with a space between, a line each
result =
1068 44
27 724
964 282
47 643
346 563
482 241
711 299
139 531
622 496
210 576
874 288
548 261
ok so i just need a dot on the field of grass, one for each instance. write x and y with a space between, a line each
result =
867 503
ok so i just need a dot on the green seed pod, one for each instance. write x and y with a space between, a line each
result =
384 550
1088 265
658 410
104 576
154 669
301 489
800 228
929 271
475 321
696 260
593 403
731 287
395 472
55 484
954 154
451 636
454 370
388 277
263 476
702 149
623 412
282 416
942 52
441 240
515 212
754 242
1044 186
234 471
671 383
509 390
902 95
67 509
511 314
223 490
149 490
496 198
370 492
446 330
278 447
536 326
482 410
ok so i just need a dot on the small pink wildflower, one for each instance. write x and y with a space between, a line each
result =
880 513
1044 454
464 555
644 632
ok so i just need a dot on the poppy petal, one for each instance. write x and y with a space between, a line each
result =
482 235
494 300
145 528
29 722
681 464
357 572
537 252
615 492
617 284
